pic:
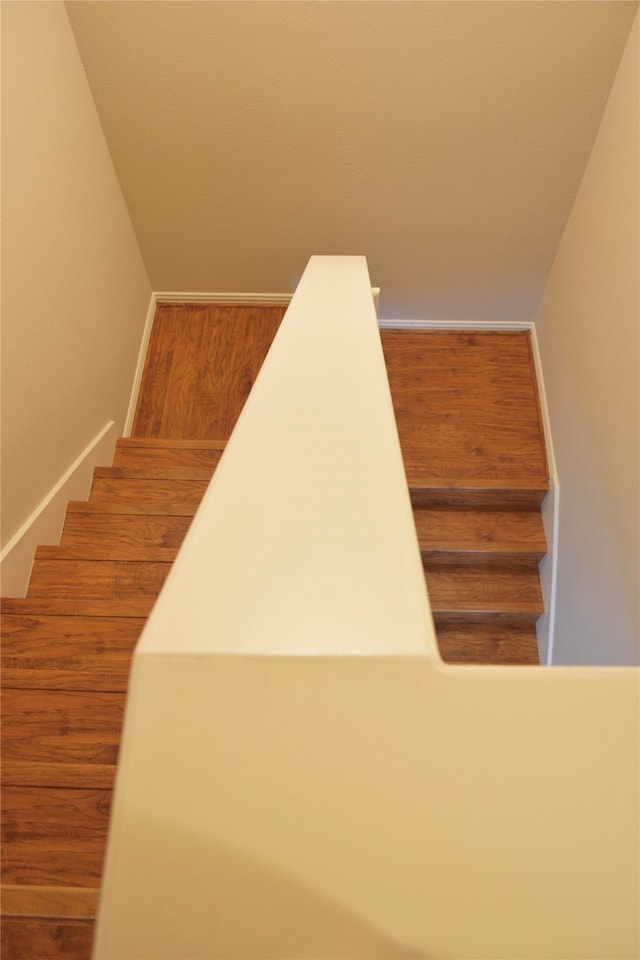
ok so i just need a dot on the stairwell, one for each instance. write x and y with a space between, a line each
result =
469 424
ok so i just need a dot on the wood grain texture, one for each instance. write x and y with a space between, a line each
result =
137 608
149 491
201 363
97 579
61 726
74 903
26 938
492 536
115 531
54 836
466 406
141 452
488 642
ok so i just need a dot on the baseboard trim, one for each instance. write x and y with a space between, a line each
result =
455 325
142 356
169 296
44 525
550 520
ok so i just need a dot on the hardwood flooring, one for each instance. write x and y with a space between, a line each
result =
201 364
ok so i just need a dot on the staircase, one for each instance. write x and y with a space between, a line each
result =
469 426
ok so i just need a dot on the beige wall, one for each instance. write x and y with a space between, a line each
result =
75 290
588 327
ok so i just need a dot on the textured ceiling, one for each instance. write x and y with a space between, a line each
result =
443 140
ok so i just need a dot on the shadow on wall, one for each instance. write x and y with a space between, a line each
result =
215 901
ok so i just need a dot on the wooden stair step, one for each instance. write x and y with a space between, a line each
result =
46 938
72 903
147 491
42 773
97 579
157 508
466 405
450 534
487 643
140 452
494 494
61 726
68 652
104 550
137 607
474 592
127 530
54 835
153 473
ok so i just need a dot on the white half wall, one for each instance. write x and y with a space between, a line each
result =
588 328
75 288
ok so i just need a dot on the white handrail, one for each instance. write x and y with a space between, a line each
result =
304 542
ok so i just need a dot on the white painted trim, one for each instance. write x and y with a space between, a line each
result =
455 324
44 525
550 519
168 296
142 356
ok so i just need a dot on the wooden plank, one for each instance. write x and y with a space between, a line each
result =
28 938
154 473
466 406
459 535
487 643
147 491
491 493
94 579
105 550
137 608
173 508
72 903
51 640
132 530
61 726
39 773
54 836
201 363
137 453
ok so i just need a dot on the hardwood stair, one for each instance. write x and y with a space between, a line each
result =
66 654
469 424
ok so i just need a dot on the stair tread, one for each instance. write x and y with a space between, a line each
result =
20 900
148 491
511 531
136 607
98 579
126 529
108 551
469 584
68 652
142 452
133 508
45 938
160 443
154 473
68 824
61 726
43 773
487 643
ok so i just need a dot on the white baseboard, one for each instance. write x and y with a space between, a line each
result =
45 523
169 296
142 356
550 519
455 325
